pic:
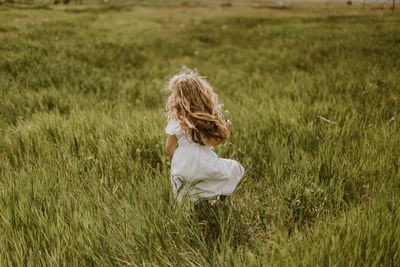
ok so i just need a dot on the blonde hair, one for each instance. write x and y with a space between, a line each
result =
194 104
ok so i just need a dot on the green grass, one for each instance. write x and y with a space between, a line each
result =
84 177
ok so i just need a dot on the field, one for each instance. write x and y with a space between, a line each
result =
84 176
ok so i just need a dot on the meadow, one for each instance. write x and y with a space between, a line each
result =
84 176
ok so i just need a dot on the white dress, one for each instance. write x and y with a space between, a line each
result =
197 172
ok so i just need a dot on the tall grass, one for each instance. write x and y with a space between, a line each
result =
84 177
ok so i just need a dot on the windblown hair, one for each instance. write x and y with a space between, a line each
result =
194 104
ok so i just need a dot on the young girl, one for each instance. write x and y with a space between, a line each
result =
194 122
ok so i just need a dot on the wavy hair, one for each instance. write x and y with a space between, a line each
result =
194 104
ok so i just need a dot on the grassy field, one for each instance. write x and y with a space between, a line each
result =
84 177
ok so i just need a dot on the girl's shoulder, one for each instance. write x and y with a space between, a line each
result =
174 127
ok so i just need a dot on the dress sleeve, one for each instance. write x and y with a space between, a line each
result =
173 127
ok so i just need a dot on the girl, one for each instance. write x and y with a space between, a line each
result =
194 122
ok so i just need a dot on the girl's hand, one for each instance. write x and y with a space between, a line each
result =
216 141
229 125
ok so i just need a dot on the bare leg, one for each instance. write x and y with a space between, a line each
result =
219 201
222 198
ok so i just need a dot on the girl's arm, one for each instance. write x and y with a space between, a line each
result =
170 145
216 141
